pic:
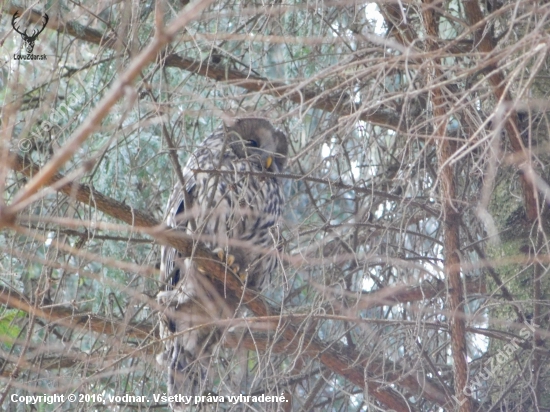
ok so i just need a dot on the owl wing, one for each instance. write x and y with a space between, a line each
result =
179 213
187 353
177 218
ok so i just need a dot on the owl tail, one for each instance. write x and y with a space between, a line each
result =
188 359
185 375
190 342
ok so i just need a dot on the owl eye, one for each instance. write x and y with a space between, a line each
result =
252 143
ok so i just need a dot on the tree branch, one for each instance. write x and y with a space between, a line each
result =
72 319
446 148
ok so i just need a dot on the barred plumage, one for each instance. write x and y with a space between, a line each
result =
230 212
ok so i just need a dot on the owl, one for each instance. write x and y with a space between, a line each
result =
230 205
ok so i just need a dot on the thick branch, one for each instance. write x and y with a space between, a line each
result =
484 43
426 290
86 195
451 218
72 319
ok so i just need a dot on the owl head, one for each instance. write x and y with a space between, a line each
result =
257 140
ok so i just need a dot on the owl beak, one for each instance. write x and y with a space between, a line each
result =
268 162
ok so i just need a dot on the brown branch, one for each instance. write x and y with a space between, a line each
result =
72 319
446 147
394 16
484 43
41 362
424 291
86 195
333 183
295 93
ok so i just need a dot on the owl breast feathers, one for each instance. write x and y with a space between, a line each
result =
233 207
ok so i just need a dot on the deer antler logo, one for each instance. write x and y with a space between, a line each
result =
29 40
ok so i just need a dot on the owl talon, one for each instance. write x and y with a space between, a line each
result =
228 259
219 251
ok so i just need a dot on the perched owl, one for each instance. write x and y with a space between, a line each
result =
234 214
